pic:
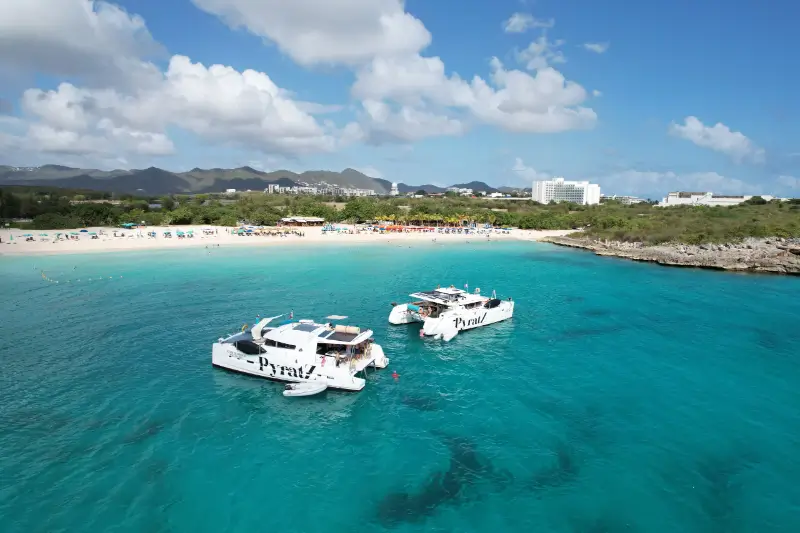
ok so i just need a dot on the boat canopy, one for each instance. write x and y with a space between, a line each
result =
303 332
449 296
257 331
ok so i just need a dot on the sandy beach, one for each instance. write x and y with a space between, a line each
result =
125 240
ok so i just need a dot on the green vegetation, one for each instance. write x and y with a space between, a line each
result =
50 208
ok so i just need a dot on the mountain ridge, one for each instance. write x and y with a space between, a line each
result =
154 181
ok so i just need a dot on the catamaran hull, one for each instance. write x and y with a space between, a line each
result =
401 315
450 323
279 367
465 319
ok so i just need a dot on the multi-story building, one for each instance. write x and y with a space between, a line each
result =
325 189
706 198
559 190
395 191
624 200
462 191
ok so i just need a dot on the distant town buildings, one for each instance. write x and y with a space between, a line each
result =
230 191
323 190
395 191
706 198
460 191
624 200
559 190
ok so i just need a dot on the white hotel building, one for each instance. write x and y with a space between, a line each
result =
558 190
707 198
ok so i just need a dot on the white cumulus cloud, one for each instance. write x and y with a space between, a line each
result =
95 41
541 53
521 22
597 48
528 173
789 181
215 102
406 124
637 182
326 32
719 138
405 94
119 104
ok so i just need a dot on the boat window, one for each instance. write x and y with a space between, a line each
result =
271 343
248 347
285 346
323 349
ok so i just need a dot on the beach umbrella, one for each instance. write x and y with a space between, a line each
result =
43 235
27 235
73 233
92 233
84 231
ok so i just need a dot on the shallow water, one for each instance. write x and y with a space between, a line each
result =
621 397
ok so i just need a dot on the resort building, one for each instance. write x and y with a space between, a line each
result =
461 191
624 200
559 190
322 190
707 199
395 191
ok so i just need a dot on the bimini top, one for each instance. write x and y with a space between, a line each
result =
449 296
304 332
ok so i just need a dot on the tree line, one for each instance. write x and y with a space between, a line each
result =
49 208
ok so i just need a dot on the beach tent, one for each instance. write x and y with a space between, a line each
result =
84 231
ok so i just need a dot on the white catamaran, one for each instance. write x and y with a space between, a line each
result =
301 352
445 312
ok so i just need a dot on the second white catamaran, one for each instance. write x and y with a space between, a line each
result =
445 312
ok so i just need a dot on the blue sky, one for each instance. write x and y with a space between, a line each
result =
641 97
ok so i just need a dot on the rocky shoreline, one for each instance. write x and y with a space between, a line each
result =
772 255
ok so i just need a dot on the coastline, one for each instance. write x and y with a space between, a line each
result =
223 238
768 255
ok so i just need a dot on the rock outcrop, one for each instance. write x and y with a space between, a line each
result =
773 255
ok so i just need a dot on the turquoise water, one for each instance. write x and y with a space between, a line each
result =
621 397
